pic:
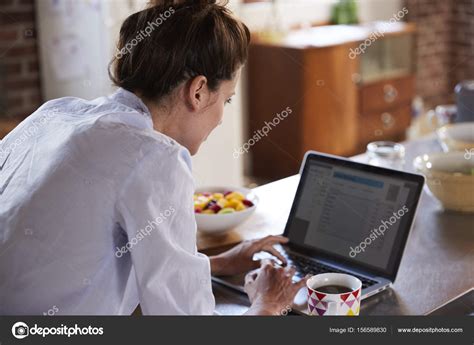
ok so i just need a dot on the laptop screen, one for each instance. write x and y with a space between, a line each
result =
354 213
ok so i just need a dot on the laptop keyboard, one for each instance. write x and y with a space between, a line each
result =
305 266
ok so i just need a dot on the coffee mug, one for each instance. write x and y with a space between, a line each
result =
333 294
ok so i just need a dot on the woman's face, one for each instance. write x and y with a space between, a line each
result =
211 115
195 112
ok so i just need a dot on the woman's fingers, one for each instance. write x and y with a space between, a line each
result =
274 240
269 240
266 262
290 271
302 283
275 253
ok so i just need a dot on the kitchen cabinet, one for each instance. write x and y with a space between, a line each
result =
340 100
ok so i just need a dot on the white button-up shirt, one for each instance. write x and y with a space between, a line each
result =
96 214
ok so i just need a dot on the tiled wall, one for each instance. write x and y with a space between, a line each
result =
445 46
20 90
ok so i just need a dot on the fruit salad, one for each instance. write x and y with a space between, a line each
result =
220 203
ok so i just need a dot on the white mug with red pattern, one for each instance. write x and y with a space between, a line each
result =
326 304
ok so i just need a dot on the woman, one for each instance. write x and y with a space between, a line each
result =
96 214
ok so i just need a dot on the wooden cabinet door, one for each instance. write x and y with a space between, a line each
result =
330 100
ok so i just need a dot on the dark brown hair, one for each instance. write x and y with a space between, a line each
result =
173 41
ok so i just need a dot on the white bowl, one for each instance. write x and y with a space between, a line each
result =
457 137
221 223
445 180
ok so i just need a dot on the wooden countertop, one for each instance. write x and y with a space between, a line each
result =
333 35
269 217
437 264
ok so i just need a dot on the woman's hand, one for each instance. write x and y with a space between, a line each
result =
240 258
271 289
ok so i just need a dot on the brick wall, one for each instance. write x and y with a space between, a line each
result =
462 49
445 52
445 46
20 90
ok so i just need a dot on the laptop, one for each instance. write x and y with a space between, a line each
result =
347 217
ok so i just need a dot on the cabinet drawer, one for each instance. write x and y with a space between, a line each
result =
386 94
384 125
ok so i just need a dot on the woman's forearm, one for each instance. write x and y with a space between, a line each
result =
217 265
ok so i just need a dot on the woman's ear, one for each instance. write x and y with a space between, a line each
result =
197 93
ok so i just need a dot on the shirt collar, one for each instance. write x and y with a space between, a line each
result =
130 100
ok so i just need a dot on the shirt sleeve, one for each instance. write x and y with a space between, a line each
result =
156 211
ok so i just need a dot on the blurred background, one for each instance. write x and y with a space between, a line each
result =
346 73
